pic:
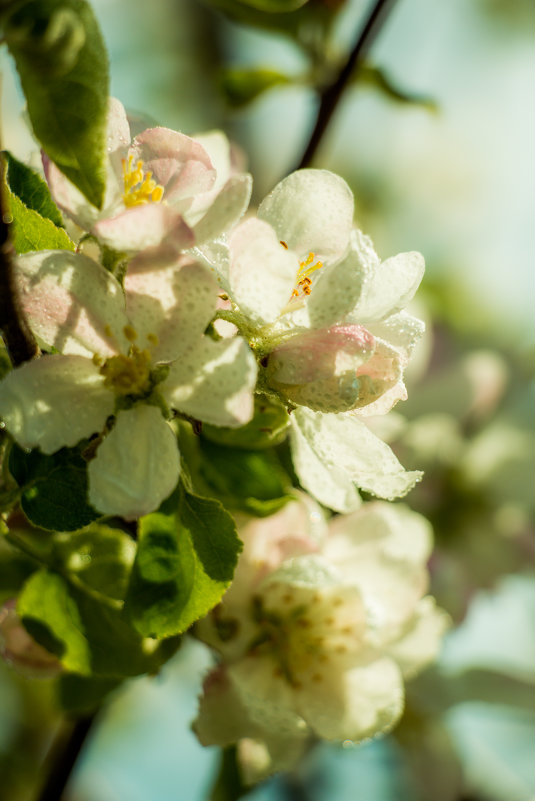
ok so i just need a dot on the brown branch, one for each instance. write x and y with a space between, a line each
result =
330 96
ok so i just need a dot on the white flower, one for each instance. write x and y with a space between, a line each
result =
322 642
132 354
164 187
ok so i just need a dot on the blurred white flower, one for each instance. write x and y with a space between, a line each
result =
329 628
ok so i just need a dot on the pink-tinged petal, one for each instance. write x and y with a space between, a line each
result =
54 401
213 382
118 131
361 703
225 210
311 210
145 226
177 162
69 199
71 302
322 369
380 374
136 467
325 481
222 718
385 402
422 638
174 304
262 272
389 288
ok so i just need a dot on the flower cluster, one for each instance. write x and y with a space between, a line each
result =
319 629
129 338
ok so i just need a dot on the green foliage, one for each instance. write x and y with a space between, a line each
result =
248 481
240 85
27 185
88 633
377 78
63 67
32 232
54 488
80 695
268 427
185 561
15 568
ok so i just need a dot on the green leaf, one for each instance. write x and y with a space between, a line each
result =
89 636
268 427
80 694
63 67
30 231
377 78
32 190
248 481
15 568
184 564
272 6
54 488
241 86
99 557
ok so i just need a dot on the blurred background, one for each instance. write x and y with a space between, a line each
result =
436 141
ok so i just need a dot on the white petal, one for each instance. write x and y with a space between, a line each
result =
54 401
142 227
346 445
422 639
330 485
226 209
217 145
68 197
137 465
262 272
391 286
311 210
402 331
361 703
118 131
214 382
71 302
173 303
222 718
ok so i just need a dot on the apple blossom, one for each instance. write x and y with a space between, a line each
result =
162 188
329 628
135 354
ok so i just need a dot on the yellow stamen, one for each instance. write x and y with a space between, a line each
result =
139 186
128 375
130 333
152 339
304 281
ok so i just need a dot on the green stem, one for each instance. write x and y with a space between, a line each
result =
331 94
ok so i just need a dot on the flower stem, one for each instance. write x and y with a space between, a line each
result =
19 340
331 94
63 758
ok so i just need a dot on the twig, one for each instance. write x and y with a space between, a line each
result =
63 757
331 94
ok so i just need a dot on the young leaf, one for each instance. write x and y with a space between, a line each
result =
54 488
27 185
381 80
241 86
248 481
31 231
90 636
63 67
184 564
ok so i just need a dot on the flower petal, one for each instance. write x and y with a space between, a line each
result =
225 209
136 467
146 226
402 331
389 288
422 638
363 702
174 304
177 162
214 382
54 401
330 485
345 445
262 272
311 210
71 302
